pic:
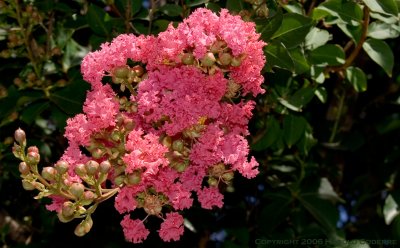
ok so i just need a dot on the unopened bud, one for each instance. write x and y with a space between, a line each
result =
115 136
133 178
64 219
77 189
167 141
97 153
218 46
48 173
177 145
213 182
33 158
91 167
68 209
80 170
88 197
119 180
236 61
152 205
84 227
121 72
33 149
228 176
139 71
20 136
23 168
27 185
225 59
61 167
105 166
208 59
187 59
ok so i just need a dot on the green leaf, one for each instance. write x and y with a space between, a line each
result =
213 7
194 3
267 27
382 31
293 29
380 52
346 11
326 191
171 9
70 99
32 111
294 7
389 19
272 133
276 211
234 5
302 97
300 62
322 94
96 17
353 32
316 38
278 56
307 141
123 5
356 77
390 210
293 128
383 6
329 54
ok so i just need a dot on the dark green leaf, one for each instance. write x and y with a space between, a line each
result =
32 111
302 97
381 53
389 19
293 29
234 5
70 99
272 133
275 212
383 6
346 11
299 60
171 9
278 56
267 27
293 128
307 141
213 7
194 3
353 32
96 17
356 77
133 5
329 54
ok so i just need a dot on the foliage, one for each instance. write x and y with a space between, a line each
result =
325 133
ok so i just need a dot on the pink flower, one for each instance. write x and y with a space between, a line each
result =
56 204
210 197
172 227
145 153
179 197
134 230
77 130
125 200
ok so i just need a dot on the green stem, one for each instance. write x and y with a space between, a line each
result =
337 120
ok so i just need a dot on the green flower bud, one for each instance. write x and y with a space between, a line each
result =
167 141
49 173
20 137
64 219
213 182
88 197
208 60
178 145
187 59
119 180
228 176
77 190
133 178
33 158
68 209
236 61
84 227
97 153
139 71
121 72
27 185
23 168
91 167
33 149
61 167
80 170
105 167
225 59
217 46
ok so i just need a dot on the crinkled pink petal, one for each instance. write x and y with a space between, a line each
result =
134 230
172 227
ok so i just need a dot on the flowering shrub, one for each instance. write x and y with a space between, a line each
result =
165 118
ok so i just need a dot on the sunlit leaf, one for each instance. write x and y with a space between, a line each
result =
380 52
356 77
328 54
390 209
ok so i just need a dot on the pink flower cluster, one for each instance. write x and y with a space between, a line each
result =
167 113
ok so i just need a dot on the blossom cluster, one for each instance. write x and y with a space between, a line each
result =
165 121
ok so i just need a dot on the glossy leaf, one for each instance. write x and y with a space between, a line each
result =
382 31
316 38
96 19
346 11
234 5
332 55
293 29
301 97
272 133
380 52
278 56
70 99
390 209
267 27
32 111
383 6
356 77
299 60
293 128
133 5
171 9
322 94
307 141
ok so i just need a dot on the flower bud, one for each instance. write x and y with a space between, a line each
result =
64 219
19 136
67 209
236 61
177 145
27 185
217 170
180 166
213 182
48 173
208 59
91 167
105 167
139 71
33 149
115 136
166 141
228 176
119 180
87 197
61 167
84 227
23 168
33 158
187 59
152 205
133 178
97 153
121 72
80 170
225 59
217 46
77 190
